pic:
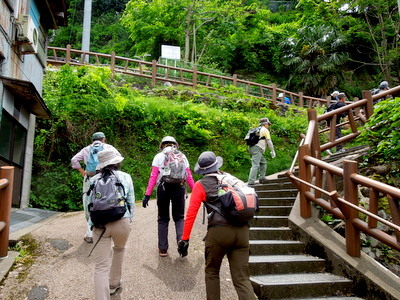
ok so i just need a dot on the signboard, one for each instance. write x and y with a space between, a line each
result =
170 52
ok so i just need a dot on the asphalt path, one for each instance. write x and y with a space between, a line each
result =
63 270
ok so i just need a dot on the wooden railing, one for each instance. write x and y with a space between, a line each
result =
6 189
159 73
317 180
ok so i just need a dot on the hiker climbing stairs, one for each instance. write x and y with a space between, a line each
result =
280 267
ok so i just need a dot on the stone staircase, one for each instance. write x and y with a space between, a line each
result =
280 267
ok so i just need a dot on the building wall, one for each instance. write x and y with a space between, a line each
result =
17 64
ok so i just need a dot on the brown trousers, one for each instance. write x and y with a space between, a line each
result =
234 242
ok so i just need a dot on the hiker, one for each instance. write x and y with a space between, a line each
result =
110 237
222 237
285 99
169 190
334 95
383 86
338 133
98 139
258 161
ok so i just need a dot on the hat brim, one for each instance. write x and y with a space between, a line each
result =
212 169
114 161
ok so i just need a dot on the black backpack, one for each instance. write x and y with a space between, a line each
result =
107 200
253 136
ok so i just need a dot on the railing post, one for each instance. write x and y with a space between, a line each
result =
153 72
194 77
353 243
301 99
7 172
234 77
112 63
274 93
304 174
369 107
68 54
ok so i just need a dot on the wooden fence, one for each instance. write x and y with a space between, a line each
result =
317 180
159 73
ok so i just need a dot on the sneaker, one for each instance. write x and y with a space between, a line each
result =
114 289
264 180
88 239
340 151
163 253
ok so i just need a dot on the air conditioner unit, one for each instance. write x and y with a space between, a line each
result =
28 34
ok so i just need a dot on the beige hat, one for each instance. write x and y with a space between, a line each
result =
108 157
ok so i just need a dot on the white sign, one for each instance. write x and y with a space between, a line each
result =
171 52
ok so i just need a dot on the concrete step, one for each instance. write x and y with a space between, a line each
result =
287 201
285 264
275 184
271 233
270 221
276 247
274 210
277 193
281 286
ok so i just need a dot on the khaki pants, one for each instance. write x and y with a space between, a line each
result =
234 242
108 261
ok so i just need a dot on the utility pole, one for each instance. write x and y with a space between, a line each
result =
87 17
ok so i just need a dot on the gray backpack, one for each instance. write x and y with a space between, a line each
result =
107 200
174 170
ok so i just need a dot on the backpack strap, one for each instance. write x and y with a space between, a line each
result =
101 235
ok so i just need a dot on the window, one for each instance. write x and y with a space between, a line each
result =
12 140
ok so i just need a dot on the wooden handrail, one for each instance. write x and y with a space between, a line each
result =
6 189
163 73
346 207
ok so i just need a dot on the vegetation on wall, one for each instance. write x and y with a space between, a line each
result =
382 134
86 99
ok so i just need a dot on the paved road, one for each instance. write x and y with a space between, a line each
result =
64 271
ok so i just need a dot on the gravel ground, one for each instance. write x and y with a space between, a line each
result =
63 269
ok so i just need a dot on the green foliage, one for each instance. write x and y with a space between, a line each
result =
382 134
84 100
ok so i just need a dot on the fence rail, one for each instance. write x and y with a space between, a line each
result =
318 181
159 73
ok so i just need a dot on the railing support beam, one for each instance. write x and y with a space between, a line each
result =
353 242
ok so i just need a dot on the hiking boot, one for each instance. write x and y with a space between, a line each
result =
88 239
163 253
114 289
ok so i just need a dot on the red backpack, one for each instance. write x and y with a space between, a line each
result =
239 202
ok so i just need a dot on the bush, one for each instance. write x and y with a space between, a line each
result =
135 122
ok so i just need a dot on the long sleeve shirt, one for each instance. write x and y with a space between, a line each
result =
156 173
197 197
83 155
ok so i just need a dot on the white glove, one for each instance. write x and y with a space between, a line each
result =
273 154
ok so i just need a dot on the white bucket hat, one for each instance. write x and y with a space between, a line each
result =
108 157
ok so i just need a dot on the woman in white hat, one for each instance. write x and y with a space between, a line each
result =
110 248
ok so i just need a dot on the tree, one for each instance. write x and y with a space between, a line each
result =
315 59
